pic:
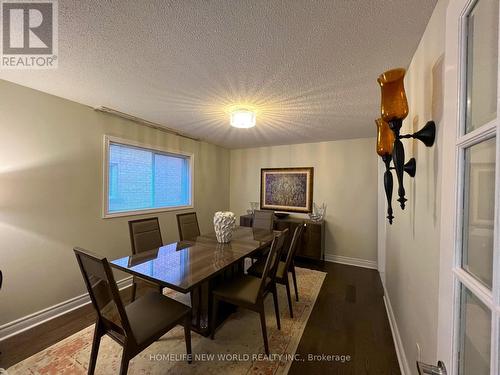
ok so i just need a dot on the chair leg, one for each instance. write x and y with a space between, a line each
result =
125 361
215 306
294 277
187 336
95 347
264 330
289 295
134 290
276 307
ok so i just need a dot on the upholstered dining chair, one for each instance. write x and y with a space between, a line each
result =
145 235
263 219
135 326
188 226
249 291
284 267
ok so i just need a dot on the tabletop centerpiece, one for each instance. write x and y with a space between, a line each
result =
224 223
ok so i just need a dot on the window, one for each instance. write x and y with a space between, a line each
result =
139 179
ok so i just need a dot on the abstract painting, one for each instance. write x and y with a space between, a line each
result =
286 189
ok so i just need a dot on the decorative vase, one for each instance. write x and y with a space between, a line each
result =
254 206
318 213
224 223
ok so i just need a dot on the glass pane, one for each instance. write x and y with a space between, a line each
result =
474 336
171 181
479 210
130 177
143 179
482 65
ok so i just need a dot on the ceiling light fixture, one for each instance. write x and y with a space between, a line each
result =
242 118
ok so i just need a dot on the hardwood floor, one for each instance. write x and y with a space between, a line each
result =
348 319
27 343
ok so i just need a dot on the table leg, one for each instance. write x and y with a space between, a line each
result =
201 302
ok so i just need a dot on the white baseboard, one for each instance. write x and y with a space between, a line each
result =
398 343
351 261
22 324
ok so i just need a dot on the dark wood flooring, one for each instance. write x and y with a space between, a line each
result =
348 319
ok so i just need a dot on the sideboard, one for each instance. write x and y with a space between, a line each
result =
311 246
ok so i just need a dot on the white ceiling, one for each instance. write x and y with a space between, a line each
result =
310 67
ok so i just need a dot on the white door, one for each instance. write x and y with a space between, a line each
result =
469 306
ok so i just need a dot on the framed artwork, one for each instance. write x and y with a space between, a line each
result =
286 189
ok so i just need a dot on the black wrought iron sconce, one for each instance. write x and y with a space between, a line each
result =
394 109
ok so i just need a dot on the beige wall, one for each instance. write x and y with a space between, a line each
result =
412 242
345 178
51 194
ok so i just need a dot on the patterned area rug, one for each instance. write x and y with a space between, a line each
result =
237 349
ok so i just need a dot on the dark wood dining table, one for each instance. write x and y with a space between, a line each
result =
197 266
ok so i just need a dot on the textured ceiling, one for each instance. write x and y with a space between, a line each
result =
309 68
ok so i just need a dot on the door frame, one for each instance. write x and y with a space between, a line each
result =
451 194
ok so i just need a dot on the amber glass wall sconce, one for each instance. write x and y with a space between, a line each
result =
385 148
394 109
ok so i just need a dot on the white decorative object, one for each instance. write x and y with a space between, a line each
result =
254 206
318 213
224 223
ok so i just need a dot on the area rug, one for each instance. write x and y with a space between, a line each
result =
237 349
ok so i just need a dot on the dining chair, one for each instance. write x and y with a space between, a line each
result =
188 226
135 326
249 292
145 235
284 267
263 219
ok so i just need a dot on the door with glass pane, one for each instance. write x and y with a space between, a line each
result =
470 294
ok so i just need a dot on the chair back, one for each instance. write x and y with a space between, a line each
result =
263 219
273 258
281 242
188 226
297 234
145 235
103 291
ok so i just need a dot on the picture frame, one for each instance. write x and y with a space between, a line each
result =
287 189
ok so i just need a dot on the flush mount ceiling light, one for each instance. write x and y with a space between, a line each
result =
242 118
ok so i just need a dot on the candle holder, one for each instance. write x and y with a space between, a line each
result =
394 109
385 147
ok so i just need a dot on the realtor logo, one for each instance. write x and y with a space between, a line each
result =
29 34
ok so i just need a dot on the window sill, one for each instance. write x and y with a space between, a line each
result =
145 212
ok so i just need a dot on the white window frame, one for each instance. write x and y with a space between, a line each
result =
107 140
490 298
455 142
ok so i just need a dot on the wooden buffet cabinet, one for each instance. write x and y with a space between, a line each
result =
312 245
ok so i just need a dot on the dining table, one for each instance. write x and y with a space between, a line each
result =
197 266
